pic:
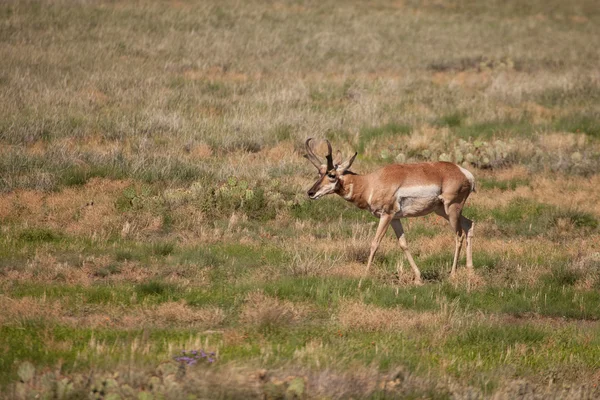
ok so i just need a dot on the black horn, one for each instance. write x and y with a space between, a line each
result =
329 156
310 155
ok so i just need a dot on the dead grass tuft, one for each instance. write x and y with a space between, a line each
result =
279 152
28 308
88 210
347 269
467 279
178 313
201 151
367 317
422 138
263 310
556 142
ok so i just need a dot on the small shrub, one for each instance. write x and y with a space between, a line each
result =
162 249
494 336
579 219
154 288
235 196
451 120
562 276
132 198
35 235
125 255
107 271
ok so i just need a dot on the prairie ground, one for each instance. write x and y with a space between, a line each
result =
153 199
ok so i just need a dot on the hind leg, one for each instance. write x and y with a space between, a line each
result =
452 213
467 226
454 218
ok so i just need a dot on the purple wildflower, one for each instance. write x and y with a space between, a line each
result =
191 357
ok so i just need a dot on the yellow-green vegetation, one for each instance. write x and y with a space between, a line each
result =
152 199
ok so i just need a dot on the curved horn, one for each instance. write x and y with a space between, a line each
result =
329 156
346 164
310 155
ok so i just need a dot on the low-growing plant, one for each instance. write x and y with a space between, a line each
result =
155 288
37 235
162 249
234 196
191 357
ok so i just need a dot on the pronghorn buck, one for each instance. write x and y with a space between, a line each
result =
398 191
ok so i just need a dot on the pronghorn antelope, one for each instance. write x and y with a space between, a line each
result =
397 191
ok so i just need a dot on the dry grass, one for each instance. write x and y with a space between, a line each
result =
179 313
120 121
263 310
165 315
355 315
89 211
28 308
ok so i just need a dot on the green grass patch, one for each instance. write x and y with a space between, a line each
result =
584 123
237 195
499 336
79 349
552 301
73 294
40 235
494 129
452 120
526 217
76 175
162 249
561 276
507 184
328 209
371 134
155 289
579 219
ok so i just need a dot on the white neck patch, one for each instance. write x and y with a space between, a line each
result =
350 192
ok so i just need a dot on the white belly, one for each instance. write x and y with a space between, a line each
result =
417 200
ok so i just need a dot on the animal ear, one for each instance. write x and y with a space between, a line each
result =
347 164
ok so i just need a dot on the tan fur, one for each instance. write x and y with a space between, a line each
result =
399 191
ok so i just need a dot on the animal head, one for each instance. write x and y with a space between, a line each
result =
329 172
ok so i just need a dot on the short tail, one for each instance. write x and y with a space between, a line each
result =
469 177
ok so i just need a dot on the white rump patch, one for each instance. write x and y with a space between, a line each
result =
469 177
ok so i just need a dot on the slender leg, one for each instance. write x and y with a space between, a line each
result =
397 226
384 222
467 226
454 218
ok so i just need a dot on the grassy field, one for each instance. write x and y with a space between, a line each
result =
153 199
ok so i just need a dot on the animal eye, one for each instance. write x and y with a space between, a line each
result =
332 176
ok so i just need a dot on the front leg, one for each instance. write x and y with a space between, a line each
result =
384 223
397 225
